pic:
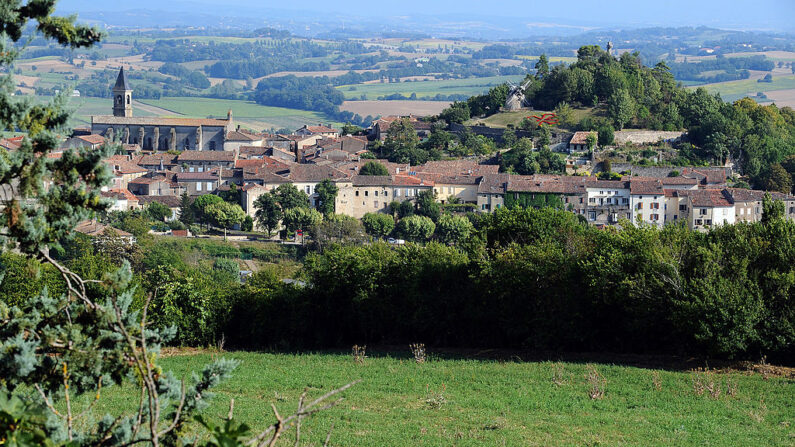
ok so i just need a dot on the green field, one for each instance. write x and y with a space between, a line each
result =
733 90
424 89
85 107
476 402
503 119
246 113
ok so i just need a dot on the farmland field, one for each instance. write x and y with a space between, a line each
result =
425 89
384 108
246 113
466 402
733 90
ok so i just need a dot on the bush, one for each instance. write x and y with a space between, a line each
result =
416 228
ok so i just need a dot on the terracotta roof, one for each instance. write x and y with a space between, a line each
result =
645 186
169 201
710 198
149 180
263 175
152 121
206 156
312 173
93 228
581 137
241 135
252 163
121 194
451 179
320 129
411 180
678 181
493 183
545 185
92 139
179 233
12 143
252 150
352 167
372 180
154 159
196 176
594 183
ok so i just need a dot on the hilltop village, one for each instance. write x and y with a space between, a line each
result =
163 158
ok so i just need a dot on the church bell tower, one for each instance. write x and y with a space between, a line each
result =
122 96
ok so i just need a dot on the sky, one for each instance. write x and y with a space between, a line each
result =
776 15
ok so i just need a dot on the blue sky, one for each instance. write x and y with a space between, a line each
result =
736 14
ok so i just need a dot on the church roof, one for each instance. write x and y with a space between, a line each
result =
152 121
121 81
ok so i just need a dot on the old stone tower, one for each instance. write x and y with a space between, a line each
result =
122 96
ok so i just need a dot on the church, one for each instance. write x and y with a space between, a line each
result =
158 134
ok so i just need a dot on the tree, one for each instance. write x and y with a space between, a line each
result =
326 192
158 212
543 137
416 228
427 205
225 215
565 114
337 228
401 142
289 197
591 141
248 224
268 213
378 225
457 113
186 210
200 205
621 108
373 168
454 229
66 345
772 210
301 219
606 135
542 67
350 129
779 179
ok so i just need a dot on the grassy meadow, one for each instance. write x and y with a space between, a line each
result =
426 89
247 113
464 402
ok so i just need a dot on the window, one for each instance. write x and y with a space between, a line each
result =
209 186
655 206
591 215
366 193
212 145
190 168
375 204
386 193
309 188
375 193
580 199
742 211
357 193
591 200
699 222
675 216
640 206
792 210
702 212
198 186
655 217
397 192
624 201
682 207
201 168
708 222
187 144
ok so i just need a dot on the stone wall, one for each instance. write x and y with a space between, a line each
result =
646 136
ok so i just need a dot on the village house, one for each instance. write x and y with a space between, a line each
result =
157 162
647 201
319 130
172 202
240 137
708 208
579 142
155 185
608 201
121 199
124 170
201 161
491 192
196 183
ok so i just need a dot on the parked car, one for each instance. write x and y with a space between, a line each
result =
394 241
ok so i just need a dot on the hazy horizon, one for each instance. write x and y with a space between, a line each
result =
508 19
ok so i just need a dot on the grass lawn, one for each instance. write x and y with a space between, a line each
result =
247 113
424 89
476 402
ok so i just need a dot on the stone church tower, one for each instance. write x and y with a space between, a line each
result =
122 96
